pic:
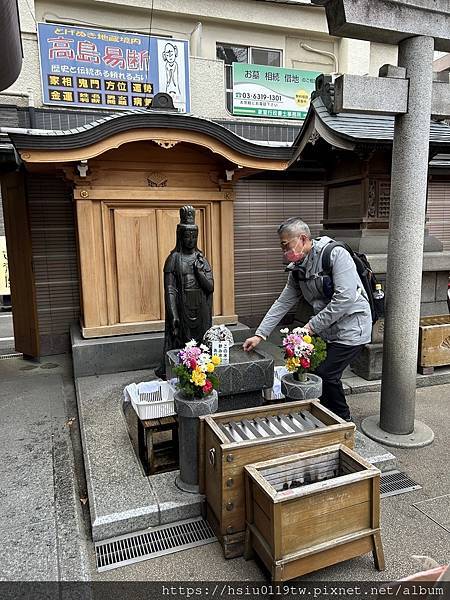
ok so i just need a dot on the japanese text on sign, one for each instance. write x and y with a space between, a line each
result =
107 69
271 91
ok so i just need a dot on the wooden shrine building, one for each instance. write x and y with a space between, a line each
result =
126 175
91 214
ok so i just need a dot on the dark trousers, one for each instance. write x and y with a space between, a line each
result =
339 356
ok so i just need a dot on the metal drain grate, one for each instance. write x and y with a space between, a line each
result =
12 355
396 482
157 541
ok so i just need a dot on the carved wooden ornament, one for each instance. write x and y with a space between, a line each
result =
157 179
166 144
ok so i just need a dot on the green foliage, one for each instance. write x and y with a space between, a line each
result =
184 380
213 379
320 352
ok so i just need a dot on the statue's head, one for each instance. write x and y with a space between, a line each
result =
187 230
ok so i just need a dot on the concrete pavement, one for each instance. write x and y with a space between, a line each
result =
43 535
45 525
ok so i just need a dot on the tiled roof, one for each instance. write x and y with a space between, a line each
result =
106 126
365 128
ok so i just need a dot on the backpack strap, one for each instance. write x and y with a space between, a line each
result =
326 254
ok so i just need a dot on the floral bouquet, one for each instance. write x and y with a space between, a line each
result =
302 352
195 370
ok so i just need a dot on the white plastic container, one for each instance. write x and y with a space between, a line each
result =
274 393
161 403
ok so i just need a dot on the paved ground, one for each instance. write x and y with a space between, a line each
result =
44 517
42 530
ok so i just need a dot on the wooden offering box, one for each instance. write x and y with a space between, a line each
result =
434 343
312 510
231 440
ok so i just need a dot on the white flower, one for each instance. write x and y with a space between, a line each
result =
191 344
203 360
204 348
299 331
285 330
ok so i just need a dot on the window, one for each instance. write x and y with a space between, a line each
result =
245 54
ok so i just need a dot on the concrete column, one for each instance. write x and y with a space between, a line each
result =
396 425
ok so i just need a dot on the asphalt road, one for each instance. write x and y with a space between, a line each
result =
6 332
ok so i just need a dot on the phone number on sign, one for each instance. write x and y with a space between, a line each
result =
247 95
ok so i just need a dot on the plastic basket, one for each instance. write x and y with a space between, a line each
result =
151 400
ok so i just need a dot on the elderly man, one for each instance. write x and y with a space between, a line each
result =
342 315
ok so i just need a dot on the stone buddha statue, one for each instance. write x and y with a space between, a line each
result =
188 288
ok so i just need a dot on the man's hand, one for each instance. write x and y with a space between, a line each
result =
308 328
251 343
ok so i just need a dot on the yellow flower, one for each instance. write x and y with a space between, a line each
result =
198 377
210 367
307 339
215 360
292 363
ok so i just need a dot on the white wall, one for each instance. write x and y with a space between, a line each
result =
382 54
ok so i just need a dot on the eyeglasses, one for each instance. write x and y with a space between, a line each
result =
285 245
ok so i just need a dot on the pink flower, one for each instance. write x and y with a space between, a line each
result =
193 363
289 351
207 387
305 363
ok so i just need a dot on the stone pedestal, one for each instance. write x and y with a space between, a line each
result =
301 390
369 362
189 410
247 371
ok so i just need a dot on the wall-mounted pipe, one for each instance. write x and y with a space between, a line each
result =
323 53
196 40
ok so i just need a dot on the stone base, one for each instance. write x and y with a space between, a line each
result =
121 498
116 354
369 362
298 390
247 371
190 488
241 401
374 453
421 436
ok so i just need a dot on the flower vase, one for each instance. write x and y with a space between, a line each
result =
189 410
301 377
294 389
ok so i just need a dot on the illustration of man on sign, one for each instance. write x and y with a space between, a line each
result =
170 56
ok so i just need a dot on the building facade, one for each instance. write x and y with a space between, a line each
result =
262 38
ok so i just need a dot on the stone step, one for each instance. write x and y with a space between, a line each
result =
121 498
374 453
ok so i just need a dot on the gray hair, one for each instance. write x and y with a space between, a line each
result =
294 226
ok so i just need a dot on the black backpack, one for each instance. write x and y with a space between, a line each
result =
365 273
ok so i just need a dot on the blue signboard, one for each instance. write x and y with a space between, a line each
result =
97 68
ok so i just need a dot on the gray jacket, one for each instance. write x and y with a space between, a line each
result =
345 318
